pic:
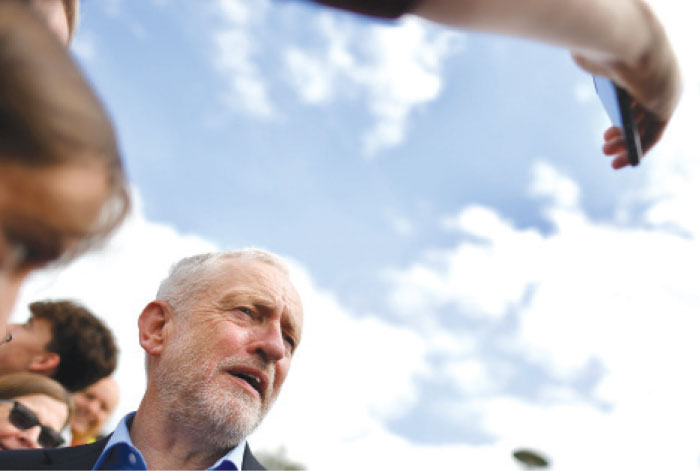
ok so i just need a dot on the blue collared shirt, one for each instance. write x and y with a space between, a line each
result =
120 453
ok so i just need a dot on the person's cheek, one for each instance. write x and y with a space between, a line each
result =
9 288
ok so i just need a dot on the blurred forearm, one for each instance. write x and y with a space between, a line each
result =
621 39
610 29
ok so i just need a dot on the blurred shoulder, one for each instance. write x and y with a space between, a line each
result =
63 458
23 459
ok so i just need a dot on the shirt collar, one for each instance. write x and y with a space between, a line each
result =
120 451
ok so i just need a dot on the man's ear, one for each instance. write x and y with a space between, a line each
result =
45 363
154 323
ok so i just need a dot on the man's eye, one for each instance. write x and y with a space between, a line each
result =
290 342
246 311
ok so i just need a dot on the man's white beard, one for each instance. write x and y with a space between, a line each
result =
225 417
222 417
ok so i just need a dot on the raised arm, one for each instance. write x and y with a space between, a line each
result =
620 39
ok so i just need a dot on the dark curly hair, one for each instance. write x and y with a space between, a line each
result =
84 343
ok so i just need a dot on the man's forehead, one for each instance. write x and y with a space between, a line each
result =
250 277
251 271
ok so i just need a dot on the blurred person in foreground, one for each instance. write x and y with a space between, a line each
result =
92 408
219 341
62 183
62 340
33 411
619 39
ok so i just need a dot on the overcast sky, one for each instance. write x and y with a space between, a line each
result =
476 277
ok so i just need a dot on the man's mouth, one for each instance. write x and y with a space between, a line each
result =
255 378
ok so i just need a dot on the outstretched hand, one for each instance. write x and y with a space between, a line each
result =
650 130
653 81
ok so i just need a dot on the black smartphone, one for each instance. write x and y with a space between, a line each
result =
616 102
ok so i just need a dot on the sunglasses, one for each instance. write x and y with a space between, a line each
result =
22 417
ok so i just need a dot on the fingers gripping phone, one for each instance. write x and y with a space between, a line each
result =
616 102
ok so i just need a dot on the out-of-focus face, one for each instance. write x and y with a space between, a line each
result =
50 412
44 212
29 340
230 353
92 408
54 13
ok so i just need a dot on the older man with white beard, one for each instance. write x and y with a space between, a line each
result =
219 341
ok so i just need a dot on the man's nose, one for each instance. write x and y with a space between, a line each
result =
268 342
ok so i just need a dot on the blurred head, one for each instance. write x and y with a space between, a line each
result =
62 184
62 340
92 408
219 341
33 411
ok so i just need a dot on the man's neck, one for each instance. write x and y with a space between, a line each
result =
168 444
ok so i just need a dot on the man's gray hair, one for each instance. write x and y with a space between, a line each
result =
192 274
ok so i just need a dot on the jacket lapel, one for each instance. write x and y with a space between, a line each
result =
249 461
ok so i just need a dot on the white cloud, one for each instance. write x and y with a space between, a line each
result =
625 297
403 73
395 69
390 70
312 78
483 277
470 376
548 183
236 50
